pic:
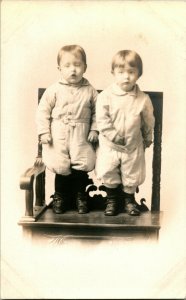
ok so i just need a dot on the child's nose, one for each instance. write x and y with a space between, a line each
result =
72 68
126 74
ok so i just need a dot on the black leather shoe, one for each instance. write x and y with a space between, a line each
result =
58 203
131 207
111 209
82 204
112 201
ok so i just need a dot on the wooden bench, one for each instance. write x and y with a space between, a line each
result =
40 220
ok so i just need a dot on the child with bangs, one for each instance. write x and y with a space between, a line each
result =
125 121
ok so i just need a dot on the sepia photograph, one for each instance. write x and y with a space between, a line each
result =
93 149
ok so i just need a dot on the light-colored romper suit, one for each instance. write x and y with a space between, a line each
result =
129 115
68 113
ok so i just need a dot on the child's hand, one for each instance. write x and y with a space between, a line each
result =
119 140
46 138
93 136
147 144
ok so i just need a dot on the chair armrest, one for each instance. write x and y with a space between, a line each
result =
26 181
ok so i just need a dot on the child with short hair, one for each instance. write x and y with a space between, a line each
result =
67 127
125 121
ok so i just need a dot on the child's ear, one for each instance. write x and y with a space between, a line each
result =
85 68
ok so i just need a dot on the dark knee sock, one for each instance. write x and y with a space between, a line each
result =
81 180
130 196
62 183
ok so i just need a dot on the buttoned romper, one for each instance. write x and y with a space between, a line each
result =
68 113
129 115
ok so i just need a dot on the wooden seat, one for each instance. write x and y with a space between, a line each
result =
39 218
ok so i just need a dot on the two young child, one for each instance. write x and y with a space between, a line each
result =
71 114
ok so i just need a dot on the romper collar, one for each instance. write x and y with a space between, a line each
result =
83 82
118 91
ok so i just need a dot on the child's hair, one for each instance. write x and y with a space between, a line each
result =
130 57
75 49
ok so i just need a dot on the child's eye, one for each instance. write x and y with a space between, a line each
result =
67 65
77 65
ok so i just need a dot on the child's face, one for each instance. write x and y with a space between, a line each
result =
126 76
72 67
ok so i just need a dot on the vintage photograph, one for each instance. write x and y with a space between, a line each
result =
93 147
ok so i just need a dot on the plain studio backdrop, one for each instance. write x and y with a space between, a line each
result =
32 33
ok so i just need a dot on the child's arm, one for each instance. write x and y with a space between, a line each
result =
104 122
148 122
93 134
45 138
93 125
43 117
